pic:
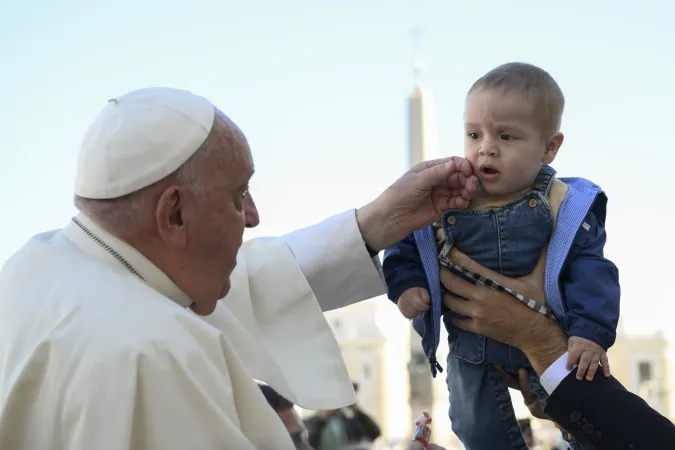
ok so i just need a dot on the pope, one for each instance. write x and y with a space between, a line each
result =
143 323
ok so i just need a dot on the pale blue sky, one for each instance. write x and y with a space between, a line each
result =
320 91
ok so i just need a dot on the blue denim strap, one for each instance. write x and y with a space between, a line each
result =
544 180
426 245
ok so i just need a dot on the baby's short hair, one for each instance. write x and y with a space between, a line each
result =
531 81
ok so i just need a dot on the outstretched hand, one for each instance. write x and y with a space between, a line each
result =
416 200
431 187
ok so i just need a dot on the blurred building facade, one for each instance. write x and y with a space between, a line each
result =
645 365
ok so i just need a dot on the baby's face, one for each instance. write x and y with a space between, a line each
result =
504 140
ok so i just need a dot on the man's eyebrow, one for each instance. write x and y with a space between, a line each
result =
250 175
244 184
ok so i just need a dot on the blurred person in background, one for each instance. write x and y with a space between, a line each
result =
346 428
289 416
291 419
327 430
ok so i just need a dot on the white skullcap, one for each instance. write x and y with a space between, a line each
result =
140 138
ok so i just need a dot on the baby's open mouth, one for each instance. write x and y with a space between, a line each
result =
489 170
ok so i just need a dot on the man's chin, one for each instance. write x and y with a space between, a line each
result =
207 308
203 310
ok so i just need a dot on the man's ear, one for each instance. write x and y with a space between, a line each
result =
553 144
169 216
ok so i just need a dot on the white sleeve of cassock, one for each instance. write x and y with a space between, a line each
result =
333 257
556 372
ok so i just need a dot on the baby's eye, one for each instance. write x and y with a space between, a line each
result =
472 135
507 137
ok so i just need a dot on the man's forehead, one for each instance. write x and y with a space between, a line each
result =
243 161
234 148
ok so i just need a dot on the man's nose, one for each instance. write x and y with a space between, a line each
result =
251 213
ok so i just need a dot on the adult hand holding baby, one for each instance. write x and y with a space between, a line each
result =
583 353
502 317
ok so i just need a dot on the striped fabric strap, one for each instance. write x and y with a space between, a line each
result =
474 277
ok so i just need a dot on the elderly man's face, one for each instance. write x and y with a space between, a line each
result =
225 210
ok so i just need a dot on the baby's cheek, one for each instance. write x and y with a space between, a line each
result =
471 153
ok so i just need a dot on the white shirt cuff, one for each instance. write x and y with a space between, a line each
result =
554 375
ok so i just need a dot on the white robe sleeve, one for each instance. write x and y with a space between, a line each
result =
273 313
333 257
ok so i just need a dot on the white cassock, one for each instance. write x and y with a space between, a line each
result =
93 356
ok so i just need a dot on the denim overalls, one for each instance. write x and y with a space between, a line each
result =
508 239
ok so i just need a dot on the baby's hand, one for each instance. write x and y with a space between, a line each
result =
413 301
586 354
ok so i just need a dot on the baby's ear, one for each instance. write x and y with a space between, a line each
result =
553 144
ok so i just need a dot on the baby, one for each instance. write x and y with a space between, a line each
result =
521 214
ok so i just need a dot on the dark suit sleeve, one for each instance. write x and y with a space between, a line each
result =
601 414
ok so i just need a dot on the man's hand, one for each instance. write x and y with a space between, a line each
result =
586 354
500 316
416 200
521 382
413 301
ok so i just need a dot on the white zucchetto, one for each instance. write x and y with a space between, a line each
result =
140 138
